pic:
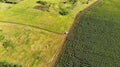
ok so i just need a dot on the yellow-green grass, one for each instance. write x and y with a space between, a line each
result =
4 6
24 12
28 46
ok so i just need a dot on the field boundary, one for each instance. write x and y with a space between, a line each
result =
76 17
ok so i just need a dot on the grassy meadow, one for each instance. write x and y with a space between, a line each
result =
27 35
28 46
24 12
94 41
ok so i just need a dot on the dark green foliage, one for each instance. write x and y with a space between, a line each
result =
73 1
42 2
8 43
94 40
6 64
63 11
43 7
11 1
1 1
1 37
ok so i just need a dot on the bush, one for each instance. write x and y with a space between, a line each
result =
43 7
42 2
11 1
1 37
7 44
1 1
63 12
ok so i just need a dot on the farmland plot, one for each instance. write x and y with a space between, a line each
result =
94 40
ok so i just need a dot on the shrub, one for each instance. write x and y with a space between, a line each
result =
73 1
1 1
8 43
43 7
63 11
11 1
42 2
1 37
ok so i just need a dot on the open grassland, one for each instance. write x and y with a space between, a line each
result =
24 12
27 46
24 37
94 40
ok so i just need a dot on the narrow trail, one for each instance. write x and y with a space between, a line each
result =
32 27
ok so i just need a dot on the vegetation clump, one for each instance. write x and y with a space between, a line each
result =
6 64
42 2
73 1
8 43
43 5
1 37
11 1
64 7
63 11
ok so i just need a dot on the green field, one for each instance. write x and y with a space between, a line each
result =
24 12
94 41
31 37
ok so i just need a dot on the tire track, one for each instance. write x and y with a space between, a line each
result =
32 27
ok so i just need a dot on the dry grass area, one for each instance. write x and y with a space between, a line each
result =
4 6
28 46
